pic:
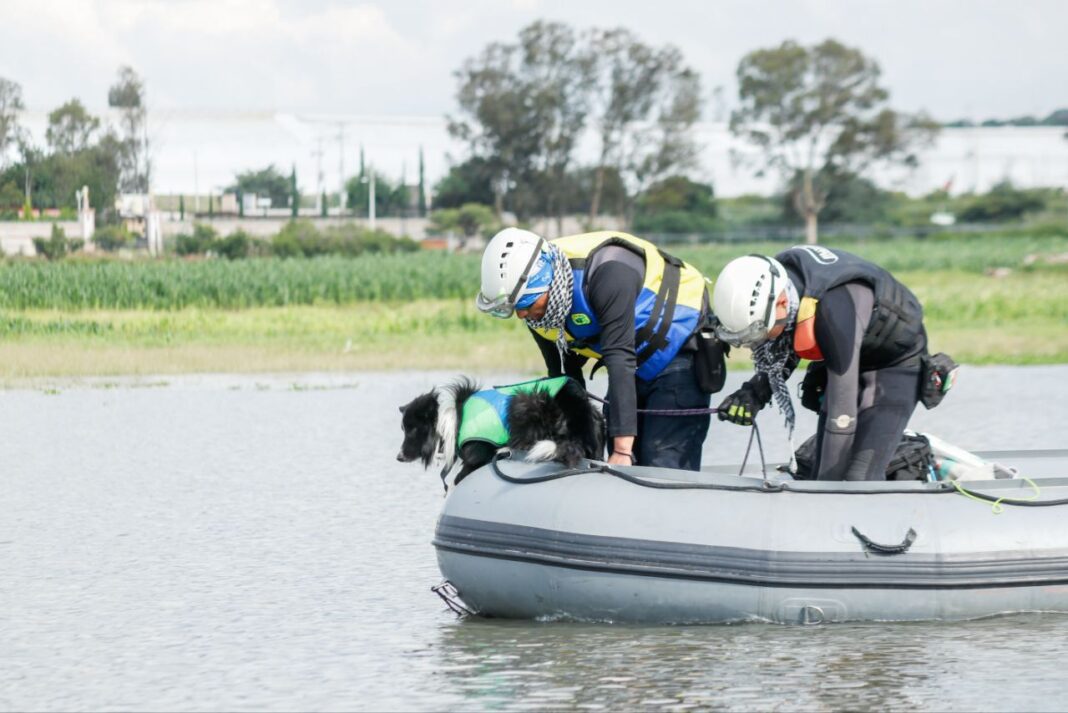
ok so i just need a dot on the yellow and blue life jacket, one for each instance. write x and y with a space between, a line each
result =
668 310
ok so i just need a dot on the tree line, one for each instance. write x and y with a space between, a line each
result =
1058 117
811 114
391 198
80 150
818 116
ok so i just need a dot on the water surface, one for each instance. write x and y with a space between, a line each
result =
250 543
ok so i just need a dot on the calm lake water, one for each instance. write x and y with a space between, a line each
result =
250 543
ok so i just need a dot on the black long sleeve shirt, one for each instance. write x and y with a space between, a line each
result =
614 280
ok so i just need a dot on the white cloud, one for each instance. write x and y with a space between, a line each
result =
59 26
398 56
360 23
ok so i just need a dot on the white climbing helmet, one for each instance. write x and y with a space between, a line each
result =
744 299
506 265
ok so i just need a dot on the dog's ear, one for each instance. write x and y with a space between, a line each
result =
429 448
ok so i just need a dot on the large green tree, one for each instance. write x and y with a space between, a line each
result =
52 179
267 182
645 102
558 68
676 204
820 111
70 128
470 181
523 106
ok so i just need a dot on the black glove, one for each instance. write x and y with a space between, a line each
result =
742 406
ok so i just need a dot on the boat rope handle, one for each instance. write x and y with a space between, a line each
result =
997 508
880 549
941 487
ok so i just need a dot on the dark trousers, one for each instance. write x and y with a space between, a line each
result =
886 401
672 441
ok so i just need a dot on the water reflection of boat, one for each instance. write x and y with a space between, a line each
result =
646 544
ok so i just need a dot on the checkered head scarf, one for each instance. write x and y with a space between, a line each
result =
771 359
559 306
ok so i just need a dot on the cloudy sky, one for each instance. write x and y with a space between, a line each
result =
953 58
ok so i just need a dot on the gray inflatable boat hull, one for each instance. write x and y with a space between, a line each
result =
598 548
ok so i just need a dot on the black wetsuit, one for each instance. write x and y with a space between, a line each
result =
864 409
614 280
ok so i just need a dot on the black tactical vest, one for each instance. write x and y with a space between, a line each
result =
895 331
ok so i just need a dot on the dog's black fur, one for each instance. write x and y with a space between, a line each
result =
564 428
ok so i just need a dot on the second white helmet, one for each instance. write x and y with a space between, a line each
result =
744 298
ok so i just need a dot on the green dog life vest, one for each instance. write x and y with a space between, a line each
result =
485 413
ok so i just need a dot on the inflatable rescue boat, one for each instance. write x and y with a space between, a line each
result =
633 544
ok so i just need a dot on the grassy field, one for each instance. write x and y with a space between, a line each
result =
109 318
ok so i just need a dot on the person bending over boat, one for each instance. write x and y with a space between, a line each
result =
862 329
621 300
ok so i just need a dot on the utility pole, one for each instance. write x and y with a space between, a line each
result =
404 192
371 196
318 154
422 185
341 168
196 186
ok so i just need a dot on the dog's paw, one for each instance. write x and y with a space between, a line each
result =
542 451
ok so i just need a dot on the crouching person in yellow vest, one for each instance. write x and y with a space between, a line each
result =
861 328
621 300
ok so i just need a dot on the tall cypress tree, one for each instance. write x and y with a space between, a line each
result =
294 194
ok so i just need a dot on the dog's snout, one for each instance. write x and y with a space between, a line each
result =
400 456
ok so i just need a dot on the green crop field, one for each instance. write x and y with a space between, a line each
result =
257 282
274 282
989 299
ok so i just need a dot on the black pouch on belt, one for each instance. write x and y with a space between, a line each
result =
710 365
937 374
813 386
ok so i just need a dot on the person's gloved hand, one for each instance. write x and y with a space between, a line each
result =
742 406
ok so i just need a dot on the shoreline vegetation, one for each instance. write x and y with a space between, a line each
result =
990 299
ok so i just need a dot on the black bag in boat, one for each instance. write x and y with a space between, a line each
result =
913 459
938 372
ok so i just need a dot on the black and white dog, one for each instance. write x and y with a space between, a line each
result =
565 427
